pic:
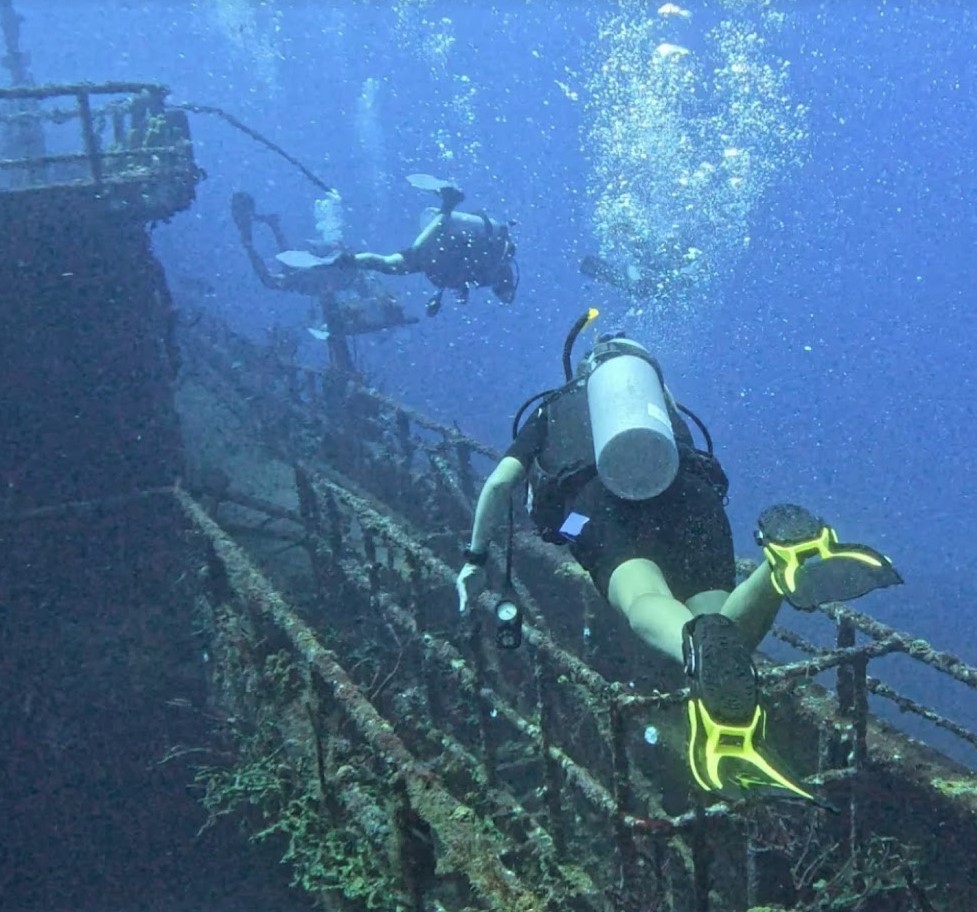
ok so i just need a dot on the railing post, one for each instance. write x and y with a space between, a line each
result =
845 683
859 711
833 747
853 706
88 135
404 440
701 859
543 678
406 822
753 848
480 662
466 478
623 794
857 757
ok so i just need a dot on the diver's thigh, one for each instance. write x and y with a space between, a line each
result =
633 579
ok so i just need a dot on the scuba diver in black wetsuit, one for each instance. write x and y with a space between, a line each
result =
300 273
352 303
455 250
614 474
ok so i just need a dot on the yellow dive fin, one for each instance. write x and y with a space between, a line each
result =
724 758
727 725
809 566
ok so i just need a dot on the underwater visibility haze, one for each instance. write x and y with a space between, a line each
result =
778 198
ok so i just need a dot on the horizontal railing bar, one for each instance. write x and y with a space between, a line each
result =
90 88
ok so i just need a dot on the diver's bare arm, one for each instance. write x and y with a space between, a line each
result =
493 500
429 230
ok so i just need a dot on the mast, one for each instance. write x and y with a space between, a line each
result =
21 130
15 61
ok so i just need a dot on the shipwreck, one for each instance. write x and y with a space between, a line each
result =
230 634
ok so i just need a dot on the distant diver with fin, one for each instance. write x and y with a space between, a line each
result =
352 303
614 474
303 272
661 271
455 250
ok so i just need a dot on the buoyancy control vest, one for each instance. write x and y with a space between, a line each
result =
470 249
566 462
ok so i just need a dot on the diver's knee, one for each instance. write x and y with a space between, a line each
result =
644 613
634 578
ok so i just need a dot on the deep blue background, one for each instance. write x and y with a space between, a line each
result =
865 255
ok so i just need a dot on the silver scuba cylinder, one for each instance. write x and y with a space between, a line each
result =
634 445
460 222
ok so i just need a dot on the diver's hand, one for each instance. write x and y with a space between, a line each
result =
470 582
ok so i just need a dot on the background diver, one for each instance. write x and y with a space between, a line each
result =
661 269
614 474
351 302
455 250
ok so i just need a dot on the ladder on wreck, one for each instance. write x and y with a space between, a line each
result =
402 761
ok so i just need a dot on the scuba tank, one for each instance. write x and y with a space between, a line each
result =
648 420
634 445
468 223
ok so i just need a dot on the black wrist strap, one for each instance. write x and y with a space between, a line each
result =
478 558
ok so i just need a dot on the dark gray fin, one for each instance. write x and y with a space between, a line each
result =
718 661
789 524
302 259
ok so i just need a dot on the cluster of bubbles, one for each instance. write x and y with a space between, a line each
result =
252 27
685 143
432 39
370 136
329 220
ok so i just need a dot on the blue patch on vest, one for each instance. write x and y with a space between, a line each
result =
573 526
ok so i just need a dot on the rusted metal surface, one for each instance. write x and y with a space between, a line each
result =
134 154
540 745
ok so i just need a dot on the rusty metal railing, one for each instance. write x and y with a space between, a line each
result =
131 135
545 742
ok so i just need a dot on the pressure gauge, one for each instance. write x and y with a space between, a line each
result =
508 624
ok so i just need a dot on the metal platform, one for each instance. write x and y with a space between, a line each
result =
115 144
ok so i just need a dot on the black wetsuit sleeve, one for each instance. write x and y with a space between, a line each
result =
412 259
530 439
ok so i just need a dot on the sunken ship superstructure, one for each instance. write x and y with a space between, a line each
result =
230 634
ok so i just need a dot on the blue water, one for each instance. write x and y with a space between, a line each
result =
834 362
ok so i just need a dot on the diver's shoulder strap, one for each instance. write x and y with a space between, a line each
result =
487 222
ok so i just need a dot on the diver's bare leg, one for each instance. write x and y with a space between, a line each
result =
275 224
638 589
753 605
261 269
391 264
430 229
